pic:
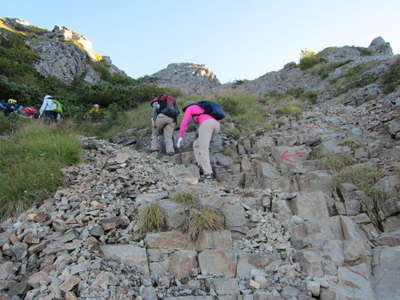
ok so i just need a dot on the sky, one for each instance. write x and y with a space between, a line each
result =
236 39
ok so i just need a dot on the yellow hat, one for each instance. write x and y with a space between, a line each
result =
12 100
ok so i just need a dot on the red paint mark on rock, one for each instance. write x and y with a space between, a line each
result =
311 127
285 155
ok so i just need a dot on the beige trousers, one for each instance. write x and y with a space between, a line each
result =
201 145
164 126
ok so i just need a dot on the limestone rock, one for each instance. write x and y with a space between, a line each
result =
189 78
379 46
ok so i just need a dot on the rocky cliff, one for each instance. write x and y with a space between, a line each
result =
62 52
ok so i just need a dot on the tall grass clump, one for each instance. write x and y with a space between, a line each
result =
152 218
30 163
205 219
363 177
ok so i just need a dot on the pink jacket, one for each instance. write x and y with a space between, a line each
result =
189 112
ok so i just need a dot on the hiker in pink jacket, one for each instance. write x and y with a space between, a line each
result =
208 126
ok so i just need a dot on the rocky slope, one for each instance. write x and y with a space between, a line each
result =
63 53
288 233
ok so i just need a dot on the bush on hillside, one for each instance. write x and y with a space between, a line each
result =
309 61
391 78
30 164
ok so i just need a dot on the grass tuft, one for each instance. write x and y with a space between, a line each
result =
335 162
152 218
185 198
204 219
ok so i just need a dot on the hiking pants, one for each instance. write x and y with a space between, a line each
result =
165 126
201 145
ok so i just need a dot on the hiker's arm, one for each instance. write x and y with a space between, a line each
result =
42 108
185 120
154 109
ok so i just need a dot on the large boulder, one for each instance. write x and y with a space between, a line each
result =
379 46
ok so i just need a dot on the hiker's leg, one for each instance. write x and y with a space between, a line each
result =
165 126
168 133
202 144
155 143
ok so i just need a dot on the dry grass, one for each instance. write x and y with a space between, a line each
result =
335 162
352 144
152 218
363 177
186 198
204 219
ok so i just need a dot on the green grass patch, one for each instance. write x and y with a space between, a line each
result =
30 164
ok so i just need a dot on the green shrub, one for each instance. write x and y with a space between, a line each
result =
309 61
239 82
30 164
324 69
311 96
290 65
364 51
293 108
391 78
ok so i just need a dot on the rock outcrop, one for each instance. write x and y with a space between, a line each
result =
63 53
188 77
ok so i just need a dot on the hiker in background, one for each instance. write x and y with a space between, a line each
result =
9 107
95 109
164 113
208 115
50 110
95 114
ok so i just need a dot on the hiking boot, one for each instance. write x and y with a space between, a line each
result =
200 169
207 177
170 153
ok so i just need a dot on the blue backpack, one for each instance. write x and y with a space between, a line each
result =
212 109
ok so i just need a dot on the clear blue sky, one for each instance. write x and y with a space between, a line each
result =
236 39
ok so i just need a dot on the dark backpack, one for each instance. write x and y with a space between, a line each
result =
212 109
167 106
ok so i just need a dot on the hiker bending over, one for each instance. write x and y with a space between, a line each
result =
164 113
208 115
9 107
50 110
